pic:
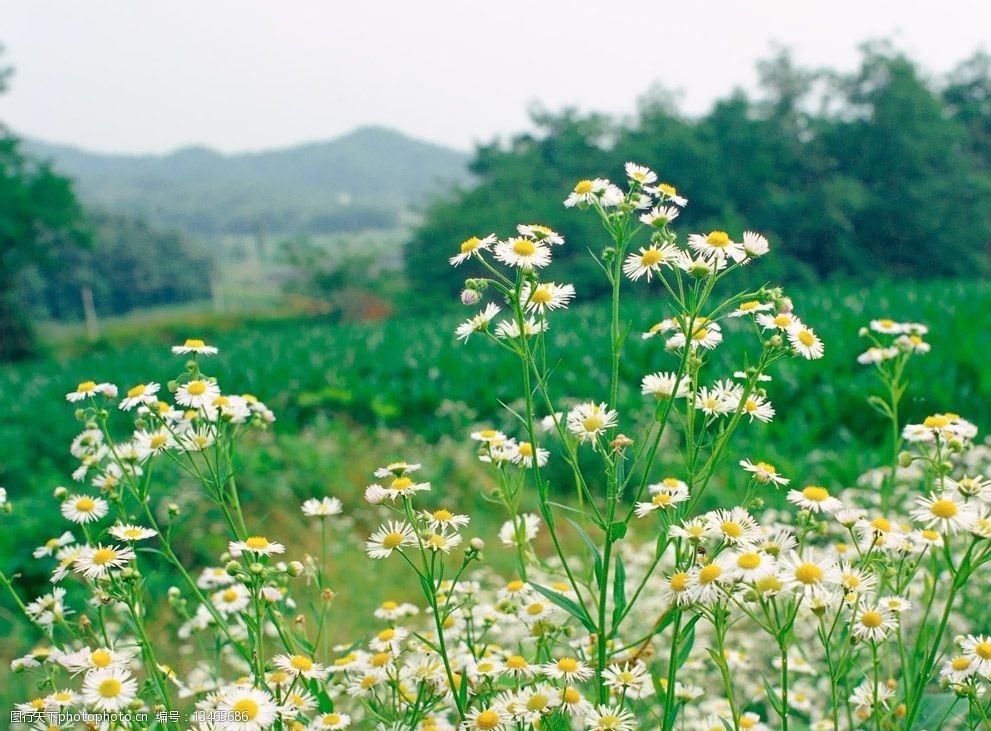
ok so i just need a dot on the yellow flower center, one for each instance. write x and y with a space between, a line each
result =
567 665
100 658
525 449
571 695
86 386
537 702
136 391
960 663
667 189
524 247
768 468
51 543
748 561
229 595
517 662
983 650
806 338
487 719
443 515
515 585
158 441
679 582
85 504
651 257
881 524
380 659
719 239
731 529
815 494
930 535
104 556
609 721
535 609
110 688
541 295
935 422
769 584
808 573
584 187
782 320
400 483
592 423
469 245
368 681
301 663
389 606
393 540
944 509
257 543
887 323
386 634
747 306
487 433
871 619
196 388
662 499
709 574
245 708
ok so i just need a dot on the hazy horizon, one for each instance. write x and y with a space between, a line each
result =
248 76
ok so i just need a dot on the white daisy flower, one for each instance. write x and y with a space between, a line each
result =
667 192
546 296
478 323
314 508
649 260
640 174
540 233
301 666
805 342
53 544
944 513
83 508
523 252
659 216
663 497
98 561
764 472
472 246
388 538
815 498
194 345
257 545
718 245
89 389
781 321
754 244
247 709
750 307
232 599
588 420
610 718
873 623
662 385
128 532
521 530
197 393
329 722
143 393
109 689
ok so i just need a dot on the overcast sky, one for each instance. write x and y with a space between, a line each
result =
125 76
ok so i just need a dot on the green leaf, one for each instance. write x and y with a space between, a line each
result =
936 711
687 643
568 605
592 549
617 530
618 593
324 702
772 697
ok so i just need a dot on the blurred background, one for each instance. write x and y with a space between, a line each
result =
288 180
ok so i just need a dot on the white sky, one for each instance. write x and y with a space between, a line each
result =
125 76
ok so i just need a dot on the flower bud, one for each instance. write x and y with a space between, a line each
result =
232 568
327 595
256 568
174 592
477 544
470 297
295 568
60 493
173 510
904 459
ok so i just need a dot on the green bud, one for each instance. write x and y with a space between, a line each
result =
60 493
904 459
256 568
295 568
232 568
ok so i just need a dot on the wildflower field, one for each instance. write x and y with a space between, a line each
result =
703 508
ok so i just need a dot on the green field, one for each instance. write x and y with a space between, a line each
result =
412 379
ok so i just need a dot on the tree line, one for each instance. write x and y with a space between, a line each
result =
881 172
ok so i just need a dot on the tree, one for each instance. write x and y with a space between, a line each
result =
39 214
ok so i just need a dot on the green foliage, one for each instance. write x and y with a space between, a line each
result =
129 265
881 170
39 217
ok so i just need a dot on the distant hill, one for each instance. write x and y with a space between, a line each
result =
368 178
